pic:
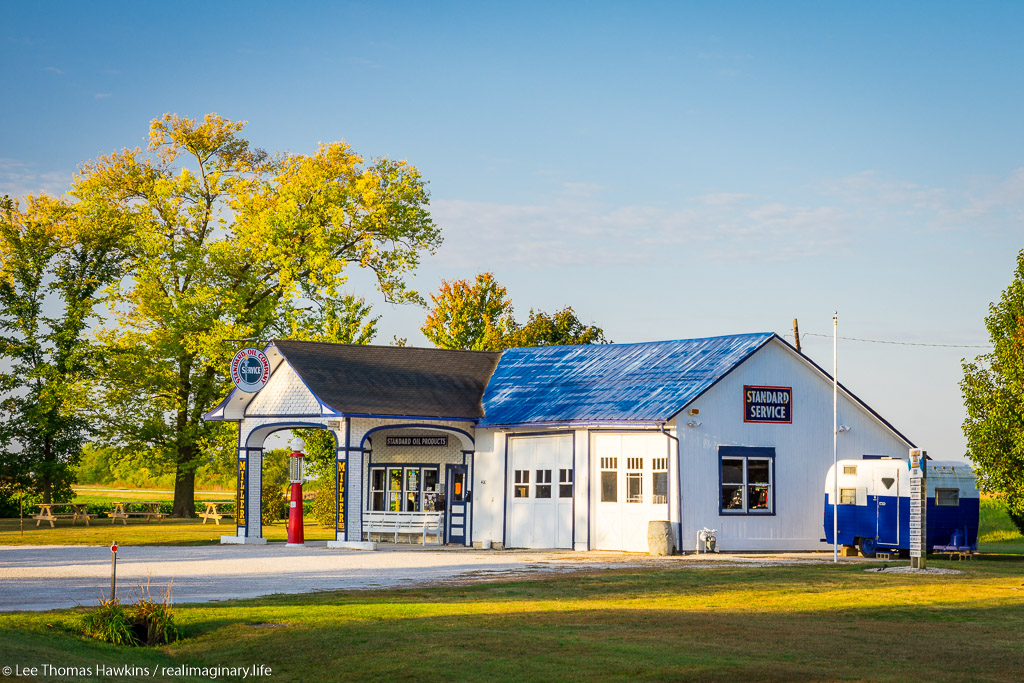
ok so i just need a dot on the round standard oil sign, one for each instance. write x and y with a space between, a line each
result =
250 370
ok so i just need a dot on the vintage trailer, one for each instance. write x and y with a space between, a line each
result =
874 504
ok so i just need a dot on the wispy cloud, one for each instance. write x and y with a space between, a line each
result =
18 179
579 227
363 62
591 233
54 70
103 95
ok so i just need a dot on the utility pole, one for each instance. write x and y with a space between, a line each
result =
796 335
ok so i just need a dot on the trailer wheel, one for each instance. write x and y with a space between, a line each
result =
867 547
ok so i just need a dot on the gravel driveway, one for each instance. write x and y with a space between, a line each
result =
36 578
49 577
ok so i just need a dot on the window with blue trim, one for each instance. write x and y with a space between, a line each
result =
746 480
404 488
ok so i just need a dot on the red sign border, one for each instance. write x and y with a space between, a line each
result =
250 352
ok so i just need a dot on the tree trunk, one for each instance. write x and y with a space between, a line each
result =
184 491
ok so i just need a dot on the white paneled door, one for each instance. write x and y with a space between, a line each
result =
540 495
630 488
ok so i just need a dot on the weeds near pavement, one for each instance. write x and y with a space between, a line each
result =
144 621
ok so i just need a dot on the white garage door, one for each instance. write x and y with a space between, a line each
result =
540 494
630 489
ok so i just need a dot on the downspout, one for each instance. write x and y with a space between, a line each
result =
679 483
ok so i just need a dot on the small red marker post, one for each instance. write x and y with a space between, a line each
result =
113 570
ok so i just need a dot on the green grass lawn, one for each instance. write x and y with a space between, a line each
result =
722 623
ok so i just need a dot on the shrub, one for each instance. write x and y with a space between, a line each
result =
10 505
110 623
324 504
143 622
274 505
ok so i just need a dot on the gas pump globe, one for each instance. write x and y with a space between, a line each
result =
295 462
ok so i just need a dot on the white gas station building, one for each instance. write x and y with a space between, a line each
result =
563 446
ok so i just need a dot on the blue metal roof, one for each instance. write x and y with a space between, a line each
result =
608 383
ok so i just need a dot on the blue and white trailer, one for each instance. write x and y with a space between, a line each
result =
874 505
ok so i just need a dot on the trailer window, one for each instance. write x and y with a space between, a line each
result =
947 497
746 481
847 496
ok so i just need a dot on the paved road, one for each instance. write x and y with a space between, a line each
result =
48 577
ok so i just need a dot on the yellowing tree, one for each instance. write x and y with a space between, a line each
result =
469 316
230 242
479 317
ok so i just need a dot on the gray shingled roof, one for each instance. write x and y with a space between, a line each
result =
393 380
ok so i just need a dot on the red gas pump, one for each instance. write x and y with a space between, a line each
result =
295 460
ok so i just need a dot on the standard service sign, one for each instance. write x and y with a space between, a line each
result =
250 370
768 404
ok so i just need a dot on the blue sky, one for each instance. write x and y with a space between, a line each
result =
670 170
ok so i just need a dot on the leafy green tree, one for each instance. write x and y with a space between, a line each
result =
561 328
230 242
469 316
55 261
993 390
479 316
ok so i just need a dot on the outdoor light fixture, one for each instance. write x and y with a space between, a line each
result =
295 461
693 424
844 428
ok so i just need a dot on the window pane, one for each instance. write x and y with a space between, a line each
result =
634 487
458 486
412 501
847 496
377 480
395 501
950 497
543 490
659 481
757 497
565 490
609 487
377 501
429 501
732 497
565 476
412 480
757 471
395 480
521 491
543 476
732 471
429 480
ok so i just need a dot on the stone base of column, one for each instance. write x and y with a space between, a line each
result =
242 540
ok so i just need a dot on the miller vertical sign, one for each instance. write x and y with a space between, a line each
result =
768 404
340 493
240 504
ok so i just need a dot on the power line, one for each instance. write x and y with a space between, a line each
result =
900 343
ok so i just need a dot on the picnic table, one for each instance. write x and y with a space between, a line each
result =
151 510
46 512
214 512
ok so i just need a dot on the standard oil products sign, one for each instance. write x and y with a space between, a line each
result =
768 404
250 370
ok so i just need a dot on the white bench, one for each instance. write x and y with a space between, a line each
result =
419 523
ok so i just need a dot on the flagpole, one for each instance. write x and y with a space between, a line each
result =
835 437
